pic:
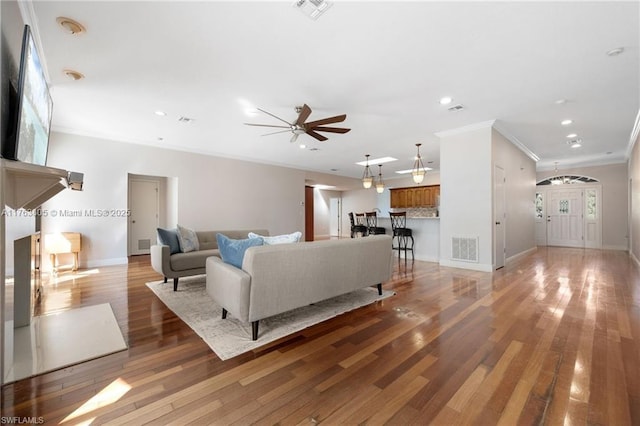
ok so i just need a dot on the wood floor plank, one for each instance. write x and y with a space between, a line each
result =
551 338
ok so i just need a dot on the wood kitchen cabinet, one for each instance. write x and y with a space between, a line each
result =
420 196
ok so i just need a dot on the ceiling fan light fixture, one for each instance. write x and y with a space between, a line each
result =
418 167
367 178
380 183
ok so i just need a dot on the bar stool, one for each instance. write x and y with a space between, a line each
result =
401 234
357 228
372 224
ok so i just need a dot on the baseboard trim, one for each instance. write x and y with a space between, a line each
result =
463 265
521 254
635 259
104 262
623 248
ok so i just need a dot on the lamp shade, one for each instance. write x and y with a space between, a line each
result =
418 168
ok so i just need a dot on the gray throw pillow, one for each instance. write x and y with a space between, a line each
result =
188 239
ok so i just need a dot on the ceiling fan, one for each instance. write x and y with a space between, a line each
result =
299 126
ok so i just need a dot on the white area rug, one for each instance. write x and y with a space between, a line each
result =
65 338
230 337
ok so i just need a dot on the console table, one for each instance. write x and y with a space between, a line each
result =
63 243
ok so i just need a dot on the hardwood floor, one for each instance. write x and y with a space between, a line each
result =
552 338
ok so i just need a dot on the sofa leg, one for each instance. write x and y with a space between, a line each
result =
175 284
380 289
254 330
224 313
165 280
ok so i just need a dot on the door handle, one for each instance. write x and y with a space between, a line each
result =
497 223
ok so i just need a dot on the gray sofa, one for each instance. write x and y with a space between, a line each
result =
279 278
193 263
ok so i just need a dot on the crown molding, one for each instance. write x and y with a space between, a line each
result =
634 135
515 141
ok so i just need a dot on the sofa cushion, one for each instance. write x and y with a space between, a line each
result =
278 239
169 237
192 260
188 239
232 251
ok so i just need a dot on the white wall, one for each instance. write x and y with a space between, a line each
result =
321 211
212 193
520 192
615 200
466 194
634 210
357 201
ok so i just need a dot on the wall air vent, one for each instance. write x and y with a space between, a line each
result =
464 249
458 107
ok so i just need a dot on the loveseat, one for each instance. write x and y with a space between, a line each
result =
279 278
181 264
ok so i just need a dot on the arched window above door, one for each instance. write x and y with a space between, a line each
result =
567 180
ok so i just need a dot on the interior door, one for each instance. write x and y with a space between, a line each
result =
499 210
564 217
334 217
143 221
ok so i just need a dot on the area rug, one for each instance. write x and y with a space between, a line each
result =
65 338
230 337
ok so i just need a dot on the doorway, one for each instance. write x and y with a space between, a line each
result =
334 217
499 210
144 208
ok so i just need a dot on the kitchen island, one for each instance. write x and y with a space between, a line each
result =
426 236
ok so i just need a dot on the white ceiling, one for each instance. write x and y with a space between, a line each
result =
384 64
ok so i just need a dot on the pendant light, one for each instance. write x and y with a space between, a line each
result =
380 183
418 168
367 178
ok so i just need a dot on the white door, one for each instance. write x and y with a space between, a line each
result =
334 217
143 221
592 218
500 217
564 217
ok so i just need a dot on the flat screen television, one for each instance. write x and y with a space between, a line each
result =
32 108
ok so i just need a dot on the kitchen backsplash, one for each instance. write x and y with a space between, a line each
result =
419 211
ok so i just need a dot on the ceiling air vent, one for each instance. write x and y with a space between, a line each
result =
458 107
184 119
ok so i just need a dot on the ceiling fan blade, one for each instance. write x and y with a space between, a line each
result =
267 125
274 116
316 135
294 137
304 114
331 129
275 133
329 120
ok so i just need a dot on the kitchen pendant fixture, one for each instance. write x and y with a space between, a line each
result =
380 183
367 178
418 168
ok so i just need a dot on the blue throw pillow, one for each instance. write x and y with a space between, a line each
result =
232 251
169 237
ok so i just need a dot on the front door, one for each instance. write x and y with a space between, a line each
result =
564 217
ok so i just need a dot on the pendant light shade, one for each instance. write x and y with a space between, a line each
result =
418 168
380 183
367 178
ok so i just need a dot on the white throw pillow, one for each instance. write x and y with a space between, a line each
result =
278 239
188 239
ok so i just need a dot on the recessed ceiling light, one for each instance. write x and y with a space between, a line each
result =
566 122
560 101
160 113
577 143
73 74
381 160
302 146
572 135
615 52
160 139
70 26
446 100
